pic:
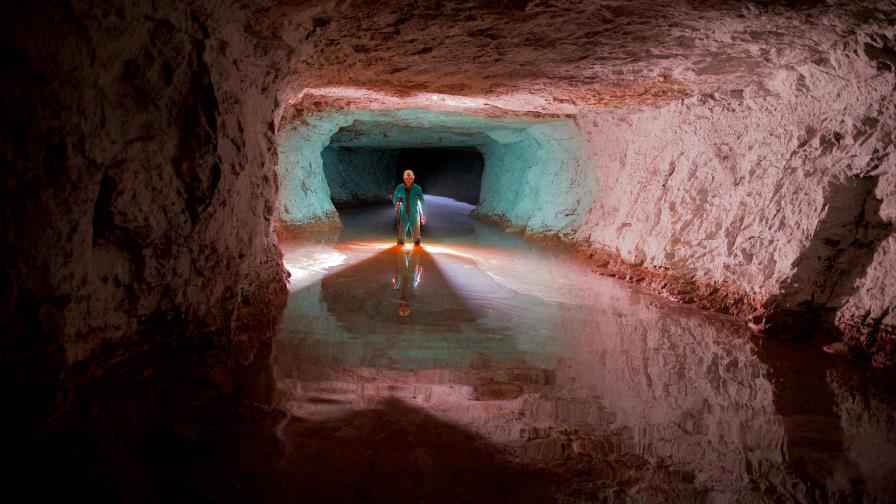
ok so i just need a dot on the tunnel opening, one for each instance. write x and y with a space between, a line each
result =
454 173
529 172
362 176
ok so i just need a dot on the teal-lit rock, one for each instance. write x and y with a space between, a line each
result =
535 176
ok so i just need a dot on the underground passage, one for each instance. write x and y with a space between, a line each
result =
515 251
358 176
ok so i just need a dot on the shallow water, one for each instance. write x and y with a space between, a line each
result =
482 367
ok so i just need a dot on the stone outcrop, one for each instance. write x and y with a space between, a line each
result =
784 200
138 186
358 176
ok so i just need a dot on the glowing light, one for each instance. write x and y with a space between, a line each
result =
369 245
438 249
304 270
372 246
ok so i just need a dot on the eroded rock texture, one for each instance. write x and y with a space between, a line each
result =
782 190
357 176
138 184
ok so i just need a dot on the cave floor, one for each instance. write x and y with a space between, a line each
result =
482 367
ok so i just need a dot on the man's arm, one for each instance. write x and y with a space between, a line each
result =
395 197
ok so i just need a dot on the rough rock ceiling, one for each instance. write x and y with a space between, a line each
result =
421 128
375 135
579 53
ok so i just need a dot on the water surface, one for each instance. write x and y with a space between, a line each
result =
482 367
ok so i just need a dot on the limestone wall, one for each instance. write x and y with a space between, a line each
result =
359 175
783 191
304 196
138 185
539 181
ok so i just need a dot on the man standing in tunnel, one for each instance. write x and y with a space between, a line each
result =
411 208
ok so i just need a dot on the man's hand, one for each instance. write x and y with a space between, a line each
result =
398 206
422 219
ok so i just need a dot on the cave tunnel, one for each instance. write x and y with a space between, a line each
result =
656 262
451 172
365 160
528 171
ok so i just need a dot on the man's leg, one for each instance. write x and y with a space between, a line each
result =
415 230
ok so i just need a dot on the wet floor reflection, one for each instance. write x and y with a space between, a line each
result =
602 390
389 288
408 274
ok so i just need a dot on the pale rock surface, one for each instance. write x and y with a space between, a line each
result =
534 162
787 196
304 195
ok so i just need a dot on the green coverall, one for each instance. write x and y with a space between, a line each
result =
412 207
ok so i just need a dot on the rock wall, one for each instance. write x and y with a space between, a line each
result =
781 193
326 156
357 176
138 186
539 181
304 197
868 318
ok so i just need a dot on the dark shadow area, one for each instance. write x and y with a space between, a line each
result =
31 366
814 438
823 424
171 438
91 446
839 253
359 176
398 453
455 173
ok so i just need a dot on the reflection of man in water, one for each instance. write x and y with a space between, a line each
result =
408 274
408 201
